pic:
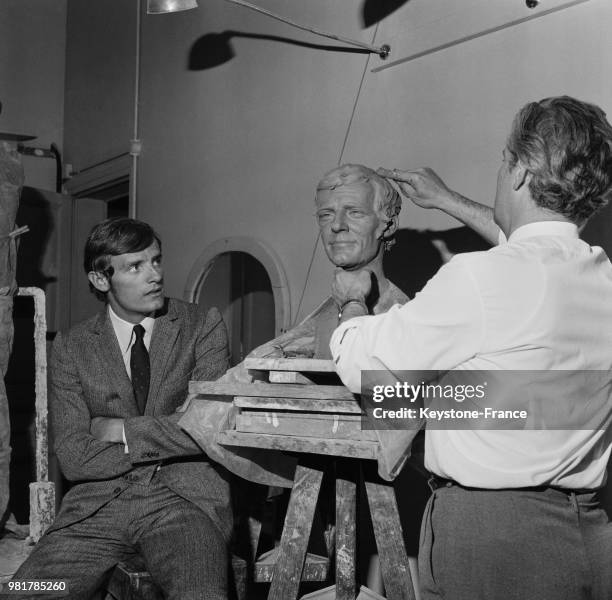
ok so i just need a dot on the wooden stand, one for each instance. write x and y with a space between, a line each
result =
307 418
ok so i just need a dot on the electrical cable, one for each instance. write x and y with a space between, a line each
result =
343 148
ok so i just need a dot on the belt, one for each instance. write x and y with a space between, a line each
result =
435 483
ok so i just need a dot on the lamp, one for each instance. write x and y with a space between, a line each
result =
156 7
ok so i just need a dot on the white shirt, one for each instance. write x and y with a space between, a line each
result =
126 338
541 301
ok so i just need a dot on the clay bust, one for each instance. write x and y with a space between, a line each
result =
357 212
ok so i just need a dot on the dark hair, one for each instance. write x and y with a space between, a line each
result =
113 237
566 145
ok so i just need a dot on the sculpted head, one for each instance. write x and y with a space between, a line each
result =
357 212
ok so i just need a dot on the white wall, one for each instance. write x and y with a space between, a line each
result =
100 59
238 149
32 47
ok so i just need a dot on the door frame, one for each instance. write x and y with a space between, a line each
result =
258 250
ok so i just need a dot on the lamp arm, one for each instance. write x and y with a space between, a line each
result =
382 51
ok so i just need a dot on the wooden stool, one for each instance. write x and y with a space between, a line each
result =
131 581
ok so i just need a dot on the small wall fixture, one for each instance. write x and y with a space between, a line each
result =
158 7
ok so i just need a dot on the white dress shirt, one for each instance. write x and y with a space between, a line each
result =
542 301
126 338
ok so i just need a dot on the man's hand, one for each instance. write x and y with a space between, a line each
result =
351 285
427 190
423 186
107 429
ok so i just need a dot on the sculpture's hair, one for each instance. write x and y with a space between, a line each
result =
113 237
387 202
566 145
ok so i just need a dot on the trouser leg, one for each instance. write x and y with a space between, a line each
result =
507 545
183 549
82 555
597 535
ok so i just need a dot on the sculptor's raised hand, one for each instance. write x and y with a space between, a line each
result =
423 186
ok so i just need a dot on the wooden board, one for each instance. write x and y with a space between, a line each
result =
296 533
276 390
321 425
316 567
348 448
305 365
289 377
389 540
301 404
347 475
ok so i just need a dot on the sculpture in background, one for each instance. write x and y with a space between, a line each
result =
11 182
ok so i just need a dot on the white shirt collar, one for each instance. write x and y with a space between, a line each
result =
558 228
124 330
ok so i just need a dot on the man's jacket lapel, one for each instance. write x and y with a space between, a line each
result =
111 366
165 333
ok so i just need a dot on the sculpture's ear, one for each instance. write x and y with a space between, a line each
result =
391 226
99 280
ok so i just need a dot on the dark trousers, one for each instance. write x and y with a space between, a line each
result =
515 545
181 547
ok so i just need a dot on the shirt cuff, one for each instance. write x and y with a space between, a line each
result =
124 440
340 346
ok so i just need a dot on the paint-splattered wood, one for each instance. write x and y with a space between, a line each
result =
301 404
316 567
289 377
389 540
220 388
309 445
319 425
306 365
346 535
296 533
42 508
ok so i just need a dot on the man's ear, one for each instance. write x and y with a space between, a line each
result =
521 177
99 280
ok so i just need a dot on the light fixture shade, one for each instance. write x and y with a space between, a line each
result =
156 7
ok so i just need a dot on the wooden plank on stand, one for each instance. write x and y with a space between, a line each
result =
346 533
309 445
221 388
389 540
301 404
289 377
305 365
296 533
316 567
320 425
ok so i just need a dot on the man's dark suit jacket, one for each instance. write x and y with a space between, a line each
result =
88 379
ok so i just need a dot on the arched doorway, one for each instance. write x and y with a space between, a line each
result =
245 280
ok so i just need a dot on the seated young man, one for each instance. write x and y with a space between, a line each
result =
140 484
